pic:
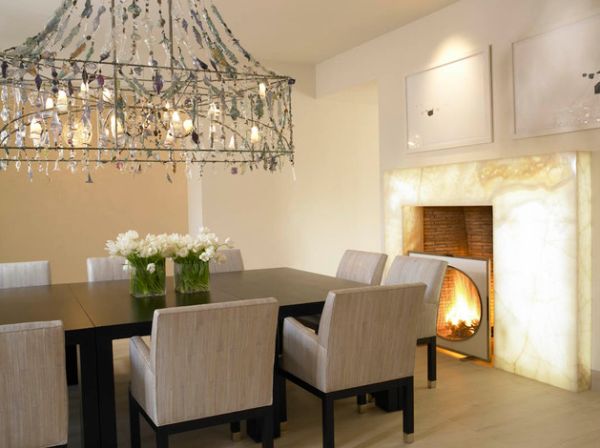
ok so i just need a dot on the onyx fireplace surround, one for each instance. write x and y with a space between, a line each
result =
541 252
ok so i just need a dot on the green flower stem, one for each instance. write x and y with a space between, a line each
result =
144 283
191 274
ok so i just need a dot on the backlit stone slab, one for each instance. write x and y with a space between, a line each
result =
542 253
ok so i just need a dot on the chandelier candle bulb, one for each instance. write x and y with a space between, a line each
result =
188 126
49 103
35 131
84 90
262 89
62 101
254 135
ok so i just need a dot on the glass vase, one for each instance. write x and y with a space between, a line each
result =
148 277
191 275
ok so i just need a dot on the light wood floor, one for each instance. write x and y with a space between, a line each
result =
473 406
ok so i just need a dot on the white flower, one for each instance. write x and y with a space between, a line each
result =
151 268
126 244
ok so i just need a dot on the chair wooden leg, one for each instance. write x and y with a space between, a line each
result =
408 416
328 422
267 429
362 403
431 364
282 405
162 439
134 423
236 432
71 364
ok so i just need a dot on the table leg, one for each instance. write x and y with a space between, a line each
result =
388 400
71 361
106 391
89 392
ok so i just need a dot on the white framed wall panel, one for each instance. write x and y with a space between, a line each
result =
550 94
450 105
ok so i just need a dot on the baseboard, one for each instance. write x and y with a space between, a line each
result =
596 380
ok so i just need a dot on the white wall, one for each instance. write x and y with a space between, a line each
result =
451 33
332 205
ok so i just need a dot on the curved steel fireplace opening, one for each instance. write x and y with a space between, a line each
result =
460 309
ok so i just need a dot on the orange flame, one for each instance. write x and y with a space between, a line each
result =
464 307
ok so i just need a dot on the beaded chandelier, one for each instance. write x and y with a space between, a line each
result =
137 83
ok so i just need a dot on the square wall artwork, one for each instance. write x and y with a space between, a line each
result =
450 105
557 80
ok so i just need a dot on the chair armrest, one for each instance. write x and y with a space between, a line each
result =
143 381
140 350
427 324
301 351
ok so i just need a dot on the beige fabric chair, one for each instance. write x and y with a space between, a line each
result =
340 361
231 262
28 273
431 272
357 266
33 385
104 269
205 361
362 267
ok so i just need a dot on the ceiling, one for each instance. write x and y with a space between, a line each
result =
298 31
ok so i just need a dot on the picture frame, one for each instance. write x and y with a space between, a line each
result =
551 93
450 105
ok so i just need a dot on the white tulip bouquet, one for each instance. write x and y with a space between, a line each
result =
146 260
191 255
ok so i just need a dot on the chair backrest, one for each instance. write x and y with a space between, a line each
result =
417 269
426 270
33 385
362 267
27 273
103 269
213 359
231 261
368 335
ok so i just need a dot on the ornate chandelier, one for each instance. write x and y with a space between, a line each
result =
137 83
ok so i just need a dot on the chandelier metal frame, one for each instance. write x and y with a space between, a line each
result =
211 102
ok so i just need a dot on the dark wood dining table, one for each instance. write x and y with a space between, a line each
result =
95 314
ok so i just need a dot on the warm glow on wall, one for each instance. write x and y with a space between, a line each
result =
453 48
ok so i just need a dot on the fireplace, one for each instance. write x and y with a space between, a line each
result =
541 306
463 323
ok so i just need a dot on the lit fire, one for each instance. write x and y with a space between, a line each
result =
461 317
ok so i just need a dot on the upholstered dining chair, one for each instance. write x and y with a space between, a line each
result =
35 273
33 385
104 269
231 262
23 274
431 272
206 365
339 362
357 266
362 267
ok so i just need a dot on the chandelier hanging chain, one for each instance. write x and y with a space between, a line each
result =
201 105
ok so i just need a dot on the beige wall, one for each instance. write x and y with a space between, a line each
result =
65 220
332 205
451 33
